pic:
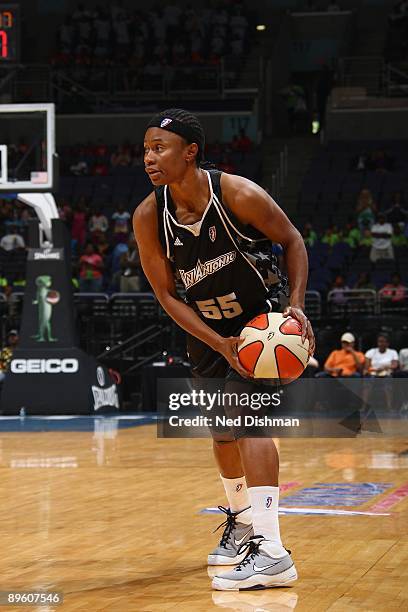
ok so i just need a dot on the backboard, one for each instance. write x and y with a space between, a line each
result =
28 161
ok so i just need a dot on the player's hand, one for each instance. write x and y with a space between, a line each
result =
307 331
229 350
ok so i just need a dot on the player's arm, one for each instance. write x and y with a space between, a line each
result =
368 365
158 271
357 358
394 364
330 365
253 206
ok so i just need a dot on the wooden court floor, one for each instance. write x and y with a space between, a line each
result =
112 519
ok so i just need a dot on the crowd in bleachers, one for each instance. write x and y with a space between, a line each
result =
396 47
97 193
144 42
354 194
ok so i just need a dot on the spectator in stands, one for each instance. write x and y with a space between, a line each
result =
103 246
117 253
98 224
364 282
309 235
4 284
121 218
100 167
13 240
80 167
331 236
130 268
79 224
352 235
121 157
296 104
226 164
366 239
102 32
382 233
396 214
137 155
395 291
381 361
366 209
244 143
345 361
338 293
359 162
380 161
398 237
6 353
90 270
65 213
402 372
66 36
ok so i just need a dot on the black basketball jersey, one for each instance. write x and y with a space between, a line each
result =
228 270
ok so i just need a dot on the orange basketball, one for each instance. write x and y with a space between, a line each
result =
272 347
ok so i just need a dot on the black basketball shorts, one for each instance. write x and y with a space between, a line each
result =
207 365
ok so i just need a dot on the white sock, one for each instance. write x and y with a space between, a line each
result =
265 519
237 495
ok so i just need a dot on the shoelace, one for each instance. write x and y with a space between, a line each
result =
229 525
252 548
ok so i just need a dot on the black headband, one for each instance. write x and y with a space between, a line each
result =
177 127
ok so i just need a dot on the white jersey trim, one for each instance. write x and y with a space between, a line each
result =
233 226
194 228
236 246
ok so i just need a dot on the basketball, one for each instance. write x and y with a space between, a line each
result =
272 347
53 297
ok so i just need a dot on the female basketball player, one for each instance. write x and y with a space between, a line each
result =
196 222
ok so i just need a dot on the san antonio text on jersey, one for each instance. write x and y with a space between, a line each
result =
228 270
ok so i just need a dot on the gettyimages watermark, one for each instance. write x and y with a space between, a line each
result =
207 400
240 402
190 408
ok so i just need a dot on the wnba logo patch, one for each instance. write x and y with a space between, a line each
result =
268 503
212 232
238 488
165 122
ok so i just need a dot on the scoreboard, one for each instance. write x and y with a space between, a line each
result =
9 33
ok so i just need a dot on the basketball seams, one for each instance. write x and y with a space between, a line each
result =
260 317
252 370
276 345
287 349
290 321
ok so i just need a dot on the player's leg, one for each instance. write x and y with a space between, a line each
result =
260 461
267 563
207 364
238 524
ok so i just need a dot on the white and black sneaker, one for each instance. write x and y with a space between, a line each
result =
258 570
235 534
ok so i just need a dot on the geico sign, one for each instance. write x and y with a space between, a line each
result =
44 366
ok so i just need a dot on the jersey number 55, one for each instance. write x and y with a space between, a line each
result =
224 306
